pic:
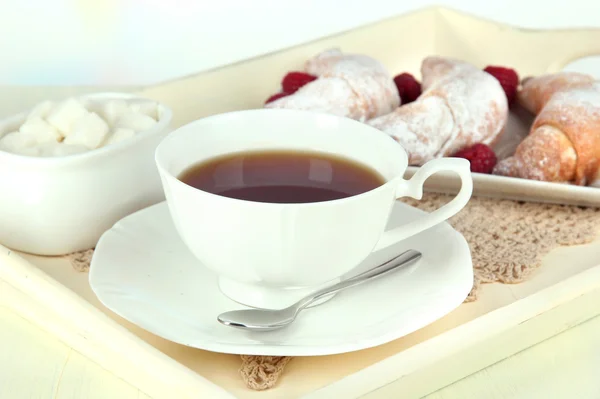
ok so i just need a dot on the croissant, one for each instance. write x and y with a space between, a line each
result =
563 144
537 91
350 85
461 105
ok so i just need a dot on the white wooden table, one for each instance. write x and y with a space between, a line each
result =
34 364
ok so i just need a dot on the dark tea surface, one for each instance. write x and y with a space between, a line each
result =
282 176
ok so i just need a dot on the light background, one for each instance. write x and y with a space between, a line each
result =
63 42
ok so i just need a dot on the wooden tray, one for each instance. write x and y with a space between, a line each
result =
506 318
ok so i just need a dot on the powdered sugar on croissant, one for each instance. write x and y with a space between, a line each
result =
537 91
461 105
350 85
421 127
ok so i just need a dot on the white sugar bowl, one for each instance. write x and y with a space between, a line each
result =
58 197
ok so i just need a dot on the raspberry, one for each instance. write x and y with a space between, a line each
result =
275 97
509 80
481 156
409 88
295 80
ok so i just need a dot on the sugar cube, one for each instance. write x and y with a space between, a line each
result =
119 134
63 115
60 149
14 141
136 122
40 129
91 104
41 110
90 130
113 109
149 108
17 143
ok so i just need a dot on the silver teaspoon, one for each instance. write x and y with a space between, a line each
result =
267 319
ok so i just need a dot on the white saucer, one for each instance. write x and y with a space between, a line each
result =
142 271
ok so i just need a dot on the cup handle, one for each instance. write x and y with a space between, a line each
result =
414 188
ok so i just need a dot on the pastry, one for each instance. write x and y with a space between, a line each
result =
350 85
564 140
461 105
536 92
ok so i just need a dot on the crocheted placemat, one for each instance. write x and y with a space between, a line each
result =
507 239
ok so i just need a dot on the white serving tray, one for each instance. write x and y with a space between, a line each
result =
506 319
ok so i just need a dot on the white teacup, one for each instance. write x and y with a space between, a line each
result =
269 254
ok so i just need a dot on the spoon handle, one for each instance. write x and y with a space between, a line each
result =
403 259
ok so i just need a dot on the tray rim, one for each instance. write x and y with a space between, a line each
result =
26 290
432 9
361 383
